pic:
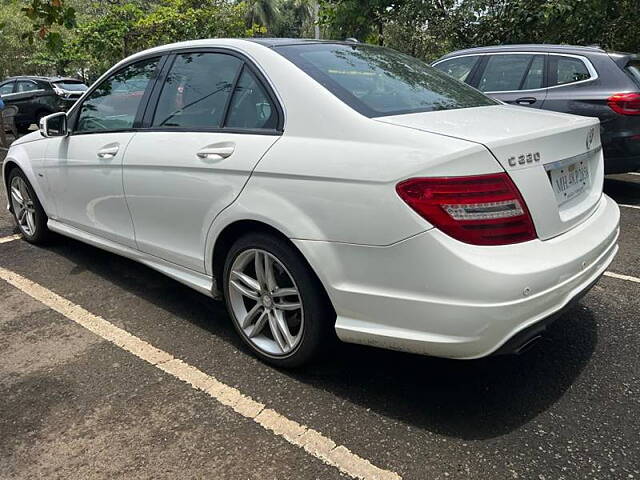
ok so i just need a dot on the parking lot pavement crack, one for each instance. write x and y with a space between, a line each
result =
311 441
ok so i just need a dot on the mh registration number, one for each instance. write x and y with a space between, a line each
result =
569 181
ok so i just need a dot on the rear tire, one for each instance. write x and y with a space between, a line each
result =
26 208
284 316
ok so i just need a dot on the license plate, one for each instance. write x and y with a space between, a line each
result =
570 180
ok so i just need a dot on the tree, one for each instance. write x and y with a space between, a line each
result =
263 12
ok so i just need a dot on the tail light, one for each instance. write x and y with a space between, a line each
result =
481 209
625 103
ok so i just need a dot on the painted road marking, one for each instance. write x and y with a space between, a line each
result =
629 206
313 442
634 173
10 238
619 276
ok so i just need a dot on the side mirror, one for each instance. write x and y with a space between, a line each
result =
54 125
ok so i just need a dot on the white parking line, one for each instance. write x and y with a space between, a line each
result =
634 173
313 442
619 276
10 238
629 206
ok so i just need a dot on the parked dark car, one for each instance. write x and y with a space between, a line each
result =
581 80
36 97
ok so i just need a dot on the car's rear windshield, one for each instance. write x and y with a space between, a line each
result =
72 86
377 81
633 70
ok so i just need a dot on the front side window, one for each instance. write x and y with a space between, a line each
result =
377 81
114 104
504 73
26 86
6 89
459 68
196 91
570 70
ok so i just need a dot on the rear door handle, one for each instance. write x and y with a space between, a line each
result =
526 100
216 153
107 153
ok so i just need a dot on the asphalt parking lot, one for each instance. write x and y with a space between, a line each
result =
74 404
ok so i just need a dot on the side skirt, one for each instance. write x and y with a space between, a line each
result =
198 281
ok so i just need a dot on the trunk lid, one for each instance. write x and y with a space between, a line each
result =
546 154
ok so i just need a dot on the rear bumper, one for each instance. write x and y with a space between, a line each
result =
431 294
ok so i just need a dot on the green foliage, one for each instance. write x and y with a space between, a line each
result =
45 15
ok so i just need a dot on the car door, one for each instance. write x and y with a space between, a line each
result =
84 169
515 78
571 81
25 98
210 120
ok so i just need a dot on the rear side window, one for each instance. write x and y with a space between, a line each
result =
458 68
377 81
633 70
6 89
250 106
196 91
567 70
510 72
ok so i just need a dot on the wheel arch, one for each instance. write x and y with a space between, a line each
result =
230 233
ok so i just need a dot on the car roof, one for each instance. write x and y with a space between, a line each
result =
278 42
530 47
43 78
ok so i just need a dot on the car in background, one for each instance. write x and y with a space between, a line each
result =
585 81
37 97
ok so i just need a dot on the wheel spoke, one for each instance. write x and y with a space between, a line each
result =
270 277
259 265
31 223
288 306
21 216
251 315
17 196
284 292
259 325
280 331
246 285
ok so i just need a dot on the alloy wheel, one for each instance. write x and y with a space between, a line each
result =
266 302
23 206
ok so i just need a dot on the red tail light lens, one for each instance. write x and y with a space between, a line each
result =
481 209
625 103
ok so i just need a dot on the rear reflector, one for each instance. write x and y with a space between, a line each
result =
625 103
481 209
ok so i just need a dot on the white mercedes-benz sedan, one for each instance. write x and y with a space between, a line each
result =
327 188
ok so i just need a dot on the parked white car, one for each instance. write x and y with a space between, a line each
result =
327 187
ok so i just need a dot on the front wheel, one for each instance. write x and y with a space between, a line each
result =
275 301
26 208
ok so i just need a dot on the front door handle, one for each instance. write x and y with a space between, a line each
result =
215 153
107 153
526 101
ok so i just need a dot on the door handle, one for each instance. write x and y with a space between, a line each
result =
215 153
526 101
107 153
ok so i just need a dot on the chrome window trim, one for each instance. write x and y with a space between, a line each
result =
587 63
